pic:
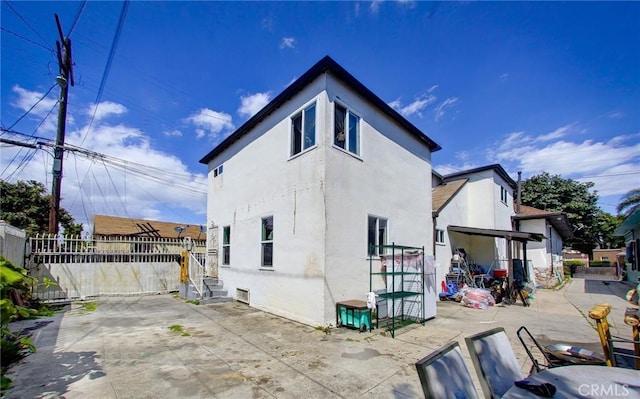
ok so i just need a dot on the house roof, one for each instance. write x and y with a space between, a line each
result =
443 194
325 65
558 220
117 226
496 167
631 222
521 236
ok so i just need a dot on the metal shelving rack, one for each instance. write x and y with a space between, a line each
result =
407 286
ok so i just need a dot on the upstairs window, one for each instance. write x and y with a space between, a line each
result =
504 195
439 236
346 132
218 171
303 130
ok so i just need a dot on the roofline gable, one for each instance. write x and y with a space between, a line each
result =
325 65
496 167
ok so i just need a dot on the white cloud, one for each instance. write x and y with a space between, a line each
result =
252 103
105 109
443 106
504 76
616 115
432 88
45 108
556 134
418 105
375 6
610 164
211 123
288 42
173 133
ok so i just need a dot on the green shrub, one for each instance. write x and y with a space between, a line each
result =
599 263
573 263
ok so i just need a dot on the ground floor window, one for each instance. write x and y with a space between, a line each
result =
376 235
267 241
226 245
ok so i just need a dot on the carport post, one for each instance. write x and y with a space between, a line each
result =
510 260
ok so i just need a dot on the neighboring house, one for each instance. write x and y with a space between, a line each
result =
107 231
615 256
630 230
545 256
472 211
302 188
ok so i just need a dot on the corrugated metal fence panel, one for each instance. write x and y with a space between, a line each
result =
89 267
12 244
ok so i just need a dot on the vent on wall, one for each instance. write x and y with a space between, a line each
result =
242 295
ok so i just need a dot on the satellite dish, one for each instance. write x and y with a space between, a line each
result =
179 229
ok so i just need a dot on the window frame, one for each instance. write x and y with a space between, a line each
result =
504 195
348 113
302 114
439 238
218 170
266 242
226 245
376 236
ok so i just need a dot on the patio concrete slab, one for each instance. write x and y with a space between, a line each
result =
126 349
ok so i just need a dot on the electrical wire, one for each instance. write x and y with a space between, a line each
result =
45 117
77 17
32 107
114 44
29 25
25 39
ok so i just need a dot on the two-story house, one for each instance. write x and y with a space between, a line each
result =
472 215
302 189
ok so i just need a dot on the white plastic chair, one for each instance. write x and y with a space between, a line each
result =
444 374
494 361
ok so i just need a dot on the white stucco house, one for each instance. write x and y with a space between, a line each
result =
472 211
545 256
301 189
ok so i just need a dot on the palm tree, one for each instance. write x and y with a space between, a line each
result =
628 202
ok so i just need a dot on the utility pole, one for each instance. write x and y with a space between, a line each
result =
64 79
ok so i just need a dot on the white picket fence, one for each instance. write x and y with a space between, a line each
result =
69 268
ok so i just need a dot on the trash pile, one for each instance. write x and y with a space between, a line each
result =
477 298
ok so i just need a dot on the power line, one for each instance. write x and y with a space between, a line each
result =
30 27
32 107
25 39
114 44
77 17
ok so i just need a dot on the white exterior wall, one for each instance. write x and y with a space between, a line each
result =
260 179
541 253
456 213
319 200
386 181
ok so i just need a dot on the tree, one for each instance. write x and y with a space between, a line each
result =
628 202
25 205
606 224
556 194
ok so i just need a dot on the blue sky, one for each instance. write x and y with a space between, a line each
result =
533 86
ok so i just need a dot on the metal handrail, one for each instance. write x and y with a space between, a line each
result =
196 274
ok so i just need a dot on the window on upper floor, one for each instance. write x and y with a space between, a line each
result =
303 130
218 171
346 131
504 195
439 236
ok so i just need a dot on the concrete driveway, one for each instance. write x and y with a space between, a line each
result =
126 348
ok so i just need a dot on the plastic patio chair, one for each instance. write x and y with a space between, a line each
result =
444 374
495 361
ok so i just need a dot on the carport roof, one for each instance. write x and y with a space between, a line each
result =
508 234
